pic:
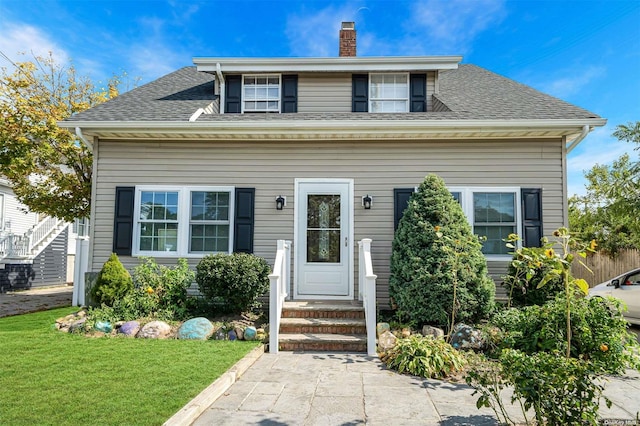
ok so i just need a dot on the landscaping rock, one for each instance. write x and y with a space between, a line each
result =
466 337
129 328
103 326
154 330
381 327
220 334
435 332
232 335
386 341
77 325
250 333
239 333
196 329
406 332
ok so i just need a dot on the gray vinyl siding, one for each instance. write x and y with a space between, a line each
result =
377 167
50 266
431 88
329 92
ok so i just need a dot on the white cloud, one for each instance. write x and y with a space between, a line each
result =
453 25
317 35
27 39
572 81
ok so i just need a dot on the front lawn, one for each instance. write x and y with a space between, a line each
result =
49 377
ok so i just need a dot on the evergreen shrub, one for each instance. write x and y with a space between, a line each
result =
113 282
424 270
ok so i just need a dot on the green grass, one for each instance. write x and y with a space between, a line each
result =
53 378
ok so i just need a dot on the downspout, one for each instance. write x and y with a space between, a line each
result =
222 86
83 139
576 141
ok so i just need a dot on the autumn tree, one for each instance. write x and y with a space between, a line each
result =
610 210
48 167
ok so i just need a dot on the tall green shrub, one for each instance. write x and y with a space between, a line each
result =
113 282
233 282
424 269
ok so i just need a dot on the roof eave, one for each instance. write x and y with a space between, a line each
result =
340 64
310 129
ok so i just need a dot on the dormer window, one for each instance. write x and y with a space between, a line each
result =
261 93
389 92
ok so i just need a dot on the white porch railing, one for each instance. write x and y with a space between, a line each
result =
41 231
12 245
17 246
367 286
279 287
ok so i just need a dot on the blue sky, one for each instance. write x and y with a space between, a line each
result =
585 52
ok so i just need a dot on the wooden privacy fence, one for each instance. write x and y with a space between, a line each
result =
604 267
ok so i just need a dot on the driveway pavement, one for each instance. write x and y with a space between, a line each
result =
349 389
22 302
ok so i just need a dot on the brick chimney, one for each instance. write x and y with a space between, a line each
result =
348 39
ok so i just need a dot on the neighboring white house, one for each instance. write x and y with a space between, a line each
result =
35 250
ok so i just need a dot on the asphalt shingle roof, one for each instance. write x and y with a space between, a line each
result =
469 92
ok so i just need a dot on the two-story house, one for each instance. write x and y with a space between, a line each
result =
233 154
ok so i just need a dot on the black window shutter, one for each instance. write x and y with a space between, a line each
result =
123 220
418 90
243 227
289 93
401 198
360 93
531 216
233 95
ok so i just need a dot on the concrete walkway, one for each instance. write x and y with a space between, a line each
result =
348 389
40 299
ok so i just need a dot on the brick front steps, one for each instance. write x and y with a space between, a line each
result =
323 326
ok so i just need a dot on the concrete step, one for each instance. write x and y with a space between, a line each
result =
323 325
323 342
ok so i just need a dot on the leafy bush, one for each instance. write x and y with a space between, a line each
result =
526 271
424 357
113 282
168 285
560 390
425 267
233 282
160 292
599 332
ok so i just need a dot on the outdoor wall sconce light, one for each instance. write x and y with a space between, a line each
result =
367 201
281 202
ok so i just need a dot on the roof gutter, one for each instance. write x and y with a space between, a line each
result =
579 138
83 139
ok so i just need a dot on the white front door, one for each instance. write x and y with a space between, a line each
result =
324 247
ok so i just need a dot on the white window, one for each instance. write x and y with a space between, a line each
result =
183 221
389 92
493 213
261 93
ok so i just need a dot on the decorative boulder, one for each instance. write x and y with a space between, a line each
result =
232 335
77 326
155 330
103 326
466 337
386 341
239 333
381 327
129 328
435 332
196 329
220 334
250 333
